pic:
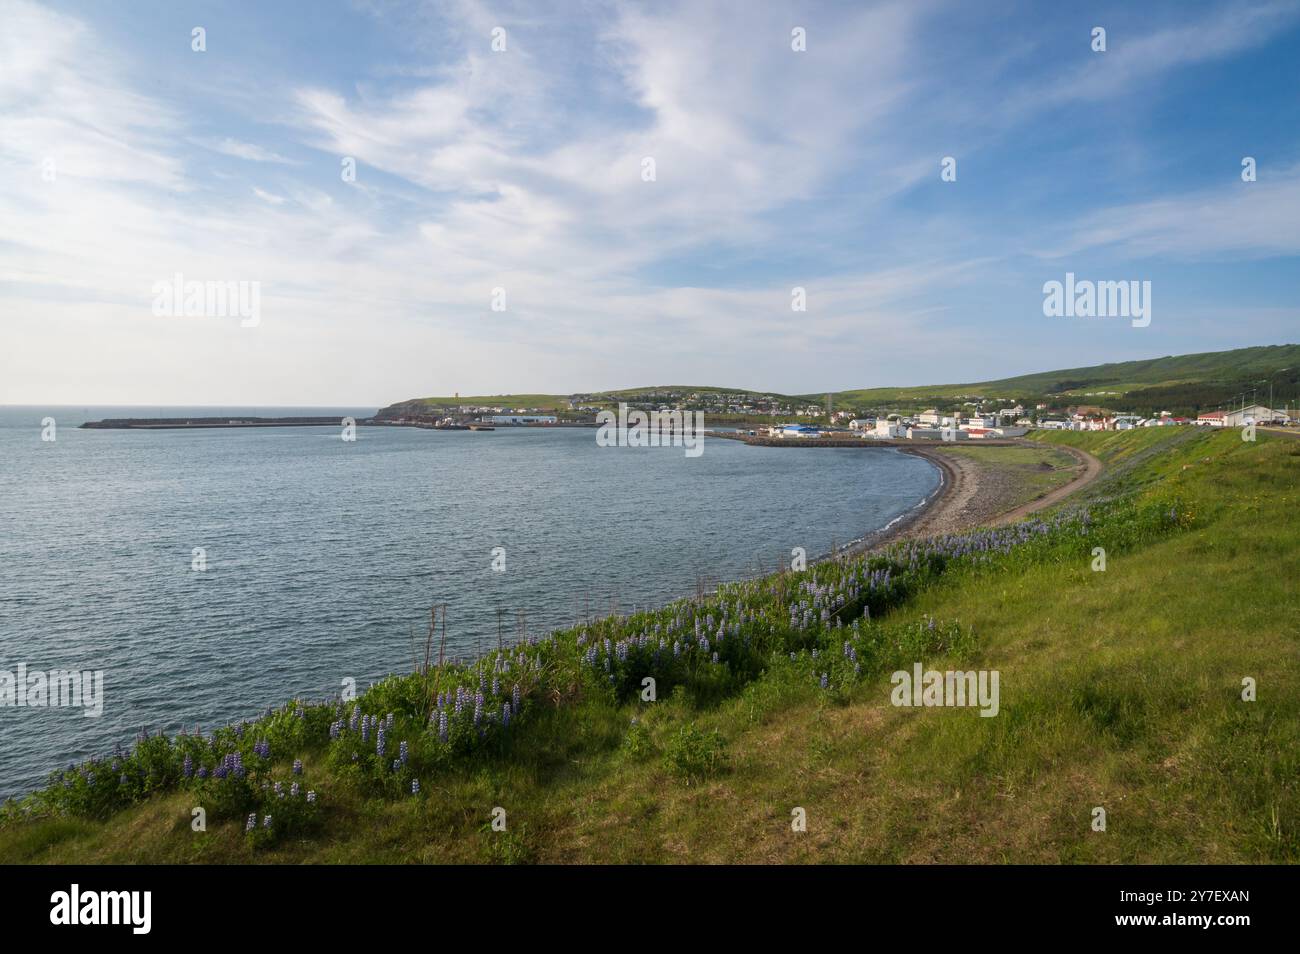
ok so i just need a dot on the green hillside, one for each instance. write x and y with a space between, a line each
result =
1121 690
1182 384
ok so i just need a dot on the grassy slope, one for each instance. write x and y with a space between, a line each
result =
1119 689
543 402
1242 364
1019 474
1173 379
597 398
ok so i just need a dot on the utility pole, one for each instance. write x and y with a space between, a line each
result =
1271 415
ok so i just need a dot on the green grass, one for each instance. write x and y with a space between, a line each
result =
543 402
1119 689
1175 383
1181 384
1019 474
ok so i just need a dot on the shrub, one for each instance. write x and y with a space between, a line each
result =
694 754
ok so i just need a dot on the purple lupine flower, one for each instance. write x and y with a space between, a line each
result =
297 766
278 788
515 697
294 790
442 726
825 680
415 786
266 822
311 798
403 752
187 767
252 822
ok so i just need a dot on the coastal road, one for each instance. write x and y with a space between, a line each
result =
1091 470
965 499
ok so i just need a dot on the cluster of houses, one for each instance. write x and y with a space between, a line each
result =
929 425
1240 417
1013 422
719 403
1094 419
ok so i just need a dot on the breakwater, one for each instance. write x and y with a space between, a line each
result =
170 423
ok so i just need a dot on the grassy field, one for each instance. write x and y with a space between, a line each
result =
1120 689
1173 381
1018 474
1181 384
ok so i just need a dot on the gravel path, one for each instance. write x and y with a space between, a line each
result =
969 497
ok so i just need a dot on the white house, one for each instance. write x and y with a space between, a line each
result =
1254 414
937 434
889 427
800 430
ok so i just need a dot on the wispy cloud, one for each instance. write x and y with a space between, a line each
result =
1243 219
244 150
524 170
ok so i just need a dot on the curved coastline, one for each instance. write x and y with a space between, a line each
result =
936 500
961 502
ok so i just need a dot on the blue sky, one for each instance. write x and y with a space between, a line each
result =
521 170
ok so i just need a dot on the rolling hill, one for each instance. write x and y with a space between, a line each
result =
1181 384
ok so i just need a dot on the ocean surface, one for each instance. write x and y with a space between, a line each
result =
323 556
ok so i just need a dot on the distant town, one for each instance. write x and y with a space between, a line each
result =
772 416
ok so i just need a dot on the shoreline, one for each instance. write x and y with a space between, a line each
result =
963 500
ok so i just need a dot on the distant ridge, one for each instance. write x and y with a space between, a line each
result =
1177 383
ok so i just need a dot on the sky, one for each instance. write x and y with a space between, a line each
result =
503 231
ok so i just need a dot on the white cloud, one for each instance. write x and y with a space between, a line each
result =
270 197
1246 219
523 171
243 150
